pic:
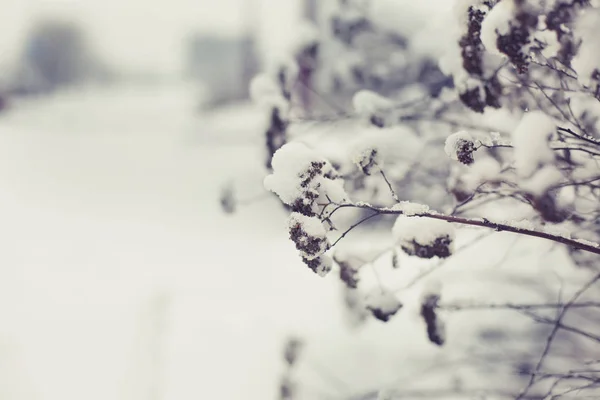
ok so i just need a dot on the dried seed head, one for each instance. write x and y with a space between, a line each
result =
292 348
383 304
435 326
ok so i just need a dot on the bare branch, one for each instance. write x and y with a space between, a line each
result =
485 223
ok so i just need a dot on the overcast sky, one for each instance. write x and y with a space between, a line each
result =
142 34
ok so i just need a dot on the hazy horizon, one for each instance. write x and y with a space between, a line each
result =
148 36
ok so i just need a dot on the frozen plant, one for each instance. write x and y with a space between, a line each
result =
495 128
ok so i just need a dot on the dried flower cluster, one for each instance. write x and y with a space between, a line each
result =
487 90
435 326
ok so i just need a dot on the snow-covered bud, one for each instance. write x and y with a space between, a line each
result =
300 177
436 331
227 199
460 146
320 265
423 237
348 271
292 348
369 161
309 235
287 388
382 304
372 106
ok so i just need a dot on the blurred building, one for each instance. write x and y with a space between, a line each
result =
223 65
55 54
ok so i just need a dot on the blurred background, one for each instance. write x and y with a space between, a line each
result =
120 276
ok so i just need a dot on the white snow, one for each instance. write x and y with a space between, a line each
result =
496 22
454 141
325 265
393 144
424 231
385 394
432 287
382 300
314 228
311 225
265 92
531 141
546 177
305 34
409 208
587 59
367 102
289 163
368 159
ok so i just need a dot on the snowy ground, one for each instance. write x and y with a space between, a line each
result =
114 247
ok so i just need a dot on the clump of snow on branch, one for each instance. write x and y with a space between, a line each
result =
301 177
376 147
266 92
587 60
372 106
309 234
383 304
424 237
368 160
366 102
460 146
497 22
310 237
531 141
306 34
544 179
409 208
320 265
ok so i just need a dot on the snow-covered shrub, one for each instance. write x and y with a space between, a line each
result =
506 138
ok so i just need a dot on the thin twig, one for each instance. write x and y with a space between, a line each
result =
459 306
392 191
552 334
354 226
485 223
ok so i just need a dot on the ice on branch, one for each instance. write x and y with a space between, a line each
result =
383 304
301 178
424 237
460 146
531 141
